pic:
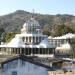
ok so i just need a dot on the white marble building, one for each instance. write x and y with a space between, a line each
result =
29 41
59 40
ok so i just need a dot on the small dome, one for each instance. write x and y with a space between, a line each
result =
16 42
65 47
46 44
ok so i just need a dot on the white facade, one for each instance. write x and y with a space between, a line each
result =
62 43
30 36
21 67
58 41
29 41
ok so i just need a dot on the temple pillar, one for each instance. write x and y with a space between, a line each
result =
38 39
38 50
25 39
31 39
48 51
10 51
20 51
35 39
42 51
45 50
28 39
28 51
24 51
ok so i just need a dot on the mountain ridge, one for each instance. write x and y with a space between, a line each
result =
14 21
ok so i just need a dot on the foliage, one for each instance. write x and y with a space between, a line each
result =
9 36
14 21
46 31
2 34
60 30
1 31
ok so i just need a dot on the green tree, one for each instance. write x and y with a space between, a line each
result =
2 34
1 30
9 36
46 30
60 30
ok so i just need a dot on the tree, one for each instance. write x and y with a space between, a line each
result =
46 30
1 30
60 30
2 34
9 36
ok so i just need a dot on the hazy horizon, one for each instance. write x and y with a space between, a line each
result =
35 13
51 7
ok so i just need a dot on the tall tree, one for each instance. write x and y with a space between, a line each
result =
46 30
59 30
2 34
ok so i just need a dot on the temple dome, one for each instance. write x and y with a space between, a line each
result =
16 42
30 26
64 47
32 22
46 44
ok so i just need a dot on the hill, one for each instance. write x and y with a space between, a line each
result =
14 21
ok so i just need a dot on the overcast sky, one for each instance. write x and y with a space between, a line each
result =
40 6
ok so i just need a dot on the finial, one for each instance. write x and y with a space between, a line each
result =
33 13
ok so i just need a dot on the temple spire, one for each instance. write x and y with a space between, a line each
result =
33 11
33 19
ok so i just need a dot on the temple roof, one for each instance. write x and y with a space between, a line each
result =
66 36
16 42
28 59
46 44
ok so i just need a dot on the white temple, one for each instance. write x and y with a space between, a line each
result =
30 41
59 40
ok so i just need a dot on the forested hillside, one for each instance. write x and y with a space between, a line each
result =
13 22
